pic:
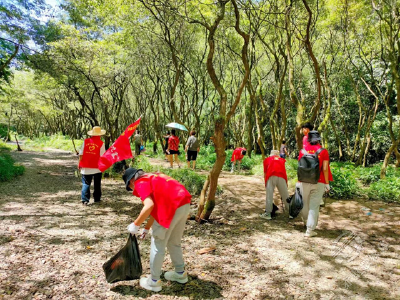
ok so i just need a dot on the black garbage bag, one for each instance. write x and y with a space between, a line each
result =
295 203
126 264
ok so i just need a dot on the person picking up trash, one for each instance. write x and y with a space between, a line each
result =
275 176
237 156
167 203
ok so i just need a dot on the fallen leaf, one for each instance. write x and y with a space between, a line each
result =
207 250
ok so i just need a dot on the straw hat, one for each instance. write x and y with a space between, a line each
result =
96 131
274 153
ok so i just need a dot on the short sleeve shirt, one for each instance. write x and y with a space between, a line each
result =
167 194
237 154
324 155
173 143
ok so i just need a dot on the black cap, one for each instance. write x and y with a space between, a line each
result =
128 175
313 136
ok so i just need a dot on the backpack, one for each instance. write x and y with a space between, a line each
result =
308 167
295 203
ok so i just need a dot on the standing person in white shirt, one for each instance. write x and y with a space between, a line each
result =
89 156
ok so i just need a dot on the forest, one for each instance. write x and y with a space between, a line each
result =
240 73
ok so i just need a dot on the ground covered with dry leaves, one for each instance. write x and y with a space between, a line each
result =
52 247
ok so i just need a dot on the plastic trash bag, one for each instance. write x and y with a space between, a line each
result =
295 202
126 264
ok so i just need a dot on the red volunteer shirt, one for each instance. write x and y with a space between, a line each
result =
91 152
237 154
274 166
173 143
305 142
167 194
324 155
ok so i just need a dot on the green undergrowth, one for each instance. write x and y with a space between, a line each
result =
56 141
8 168
192 180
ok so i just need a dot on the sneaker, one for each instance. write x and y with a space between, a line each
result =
290 217
310 233
148 284
85 203
266 216
173 276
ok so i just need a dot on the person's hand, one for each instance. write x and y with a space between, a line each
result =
327 187
144 233
133 228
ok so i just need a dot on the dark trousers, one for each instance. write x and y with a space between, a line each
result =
137 149
86 181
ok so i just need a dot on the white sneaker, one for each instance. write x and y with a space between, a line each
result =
173 276
290 217
148 284
266 216
310 233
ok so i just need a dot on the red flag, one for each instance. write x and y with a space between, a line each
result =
120 150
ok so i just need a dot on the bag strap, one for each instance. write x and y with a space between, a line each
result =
319 151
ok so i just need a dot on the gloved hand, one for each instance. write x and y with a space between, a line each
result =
327 187
132 228
144 233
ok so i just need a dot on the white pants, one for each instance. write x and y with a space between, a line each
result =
280 183
170 238
312 195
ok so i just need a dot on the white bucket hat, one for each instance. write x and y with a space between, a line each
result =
274 153
96 131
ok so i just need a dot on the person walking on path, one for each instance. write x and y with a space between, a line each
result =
192 148
173 149
89 156
313 192
274 176
165 142
306 127
237 156
283 150
138 142
168 213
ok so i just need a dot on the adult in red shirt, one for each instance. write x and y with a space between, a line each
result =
173 148
274 176
237 156
167 203
89 156
306 128
313 193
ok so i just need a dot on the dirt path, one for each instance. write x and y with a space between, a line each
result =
53 248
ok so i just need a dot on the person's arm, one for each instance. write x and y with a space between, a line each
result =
79 161
325 170
286 151
149 223
145 212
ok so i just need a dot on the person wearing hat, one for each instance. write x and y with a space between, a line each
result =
313 193
274 176
167 204
89 156
237 156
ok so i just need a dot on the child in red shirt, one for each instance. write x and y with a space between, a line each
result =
237 155
167 203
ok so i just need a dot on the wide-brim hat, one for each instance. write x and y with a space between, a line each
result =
128 175
313 136
274 153
96 131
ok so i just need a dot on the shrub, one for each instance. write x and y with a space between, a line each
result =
8 169
343 186
387 189
190 179
56 141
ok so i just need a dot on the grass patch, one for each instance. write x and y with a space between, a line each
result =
8 169
56 141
